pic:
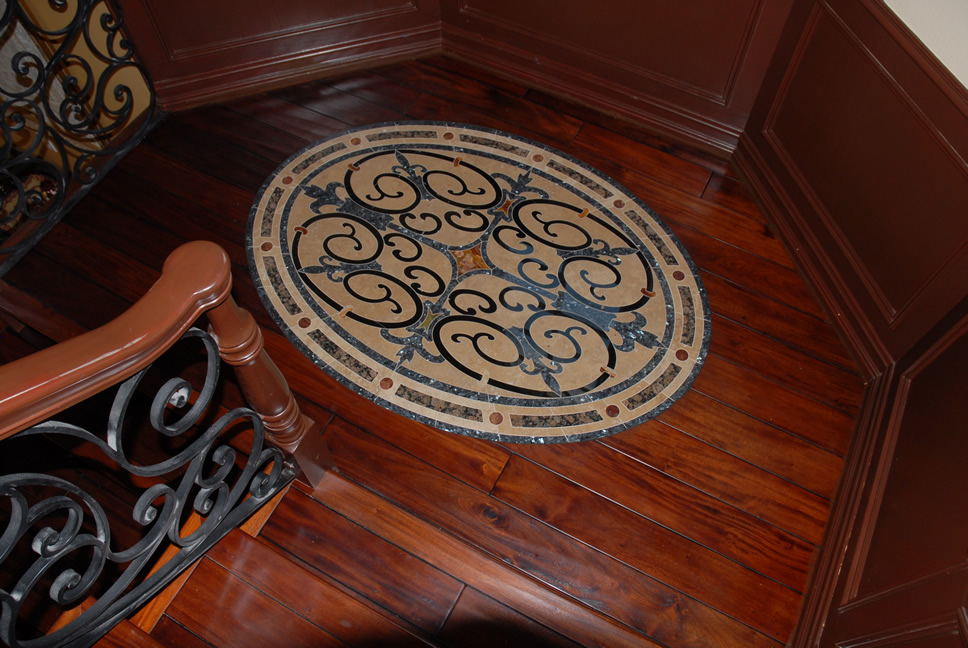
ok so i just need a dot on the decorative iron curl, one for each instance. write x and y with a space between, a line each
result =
66 534
68 115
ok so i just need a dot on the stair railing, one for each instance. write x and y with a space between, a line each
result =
56 540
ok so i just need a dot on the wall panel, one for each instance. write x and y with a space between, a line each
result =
200 52
691 70
867 150
857 148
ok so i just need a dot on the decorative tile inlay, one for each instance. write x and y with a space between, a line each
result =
475 285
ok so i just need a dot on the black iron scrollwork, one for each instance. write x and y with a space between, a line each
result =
73 100
404 253
59 537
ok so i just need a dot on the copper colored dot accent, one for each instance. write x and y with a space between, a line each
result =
355 141
678 275
613 411
301 229
304 322
682 354
448 136
648 293
619 203
538 158
496 418
266 246
386 383
287 180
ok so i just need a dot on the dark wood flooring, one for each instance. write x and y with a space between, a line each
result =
695 529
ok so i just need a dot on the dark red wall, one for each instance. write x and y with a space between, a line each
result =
690 70
200 52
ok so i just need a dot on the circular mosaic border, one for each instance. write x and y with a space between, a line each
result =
548 303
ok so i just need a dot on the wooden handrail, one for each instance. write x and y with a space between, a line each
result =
196 278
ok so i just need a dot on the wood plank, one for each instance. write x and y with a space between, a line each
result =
760 313
117 224
791 367
756 442
433 108
127 635
637 541
169 633
211 155
221 200
628 128
485 75
47 281
321 602
753 448
732 194
123 275
31 312
370 86
244 132
539 550
256 619
712 523
726 478
460 89
780 284
676 206
361 560
775 404
667 169
473 461
336 104
478 621
13 346
287 116
180 219
497 579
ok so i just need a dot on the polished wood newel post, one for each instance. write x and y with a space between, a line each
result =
240 344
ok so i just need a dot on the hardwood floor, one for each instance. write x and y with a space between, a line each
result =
694 529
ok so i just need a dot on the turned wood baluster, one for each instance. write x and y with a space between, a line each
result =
265 389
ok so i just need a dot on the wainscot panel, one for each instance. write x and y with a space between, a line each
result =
691 70
203 52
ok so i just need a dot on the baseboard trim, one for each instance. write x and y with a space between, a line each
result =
229 83
875 363
846 313
592 90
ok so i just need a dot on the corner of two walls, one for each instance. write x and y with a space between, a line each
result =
691 76
856 149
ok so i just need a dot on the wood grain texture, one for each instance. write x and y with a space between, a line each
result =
694 529
317 599
341 548
257 619
495 578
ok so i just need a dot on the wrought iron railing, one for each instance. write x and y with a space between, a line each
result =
86 541
74 101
